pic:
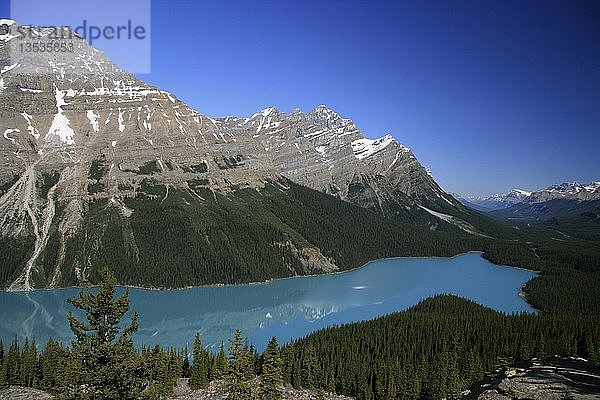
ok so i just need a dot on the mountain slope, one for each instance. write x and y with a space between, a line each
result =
197 237
324 151
92 157
76 129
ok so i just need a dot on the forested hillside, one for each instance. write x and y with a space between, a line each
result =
166 237
434 350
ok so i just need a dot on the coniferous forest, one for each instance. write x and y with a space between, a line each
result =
436 349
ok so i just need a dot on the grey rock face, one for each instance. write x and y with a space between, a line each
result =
22 393
326 152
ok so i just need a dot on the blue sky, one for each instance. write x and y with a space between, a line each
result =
489 95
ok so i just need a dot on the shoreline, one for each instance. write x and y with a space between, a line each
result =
523 295
480 252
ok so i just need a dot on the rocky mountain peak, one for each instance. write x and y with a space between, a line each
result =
327 118
574 187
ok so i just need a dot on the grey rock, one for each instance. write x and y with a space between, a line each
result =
556 378
22 393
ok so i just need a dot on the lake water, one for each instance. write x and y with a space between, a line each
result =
289 308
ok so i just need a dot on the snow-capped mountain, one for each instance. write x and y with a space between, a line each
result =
568 191
496 201
77 131
574 191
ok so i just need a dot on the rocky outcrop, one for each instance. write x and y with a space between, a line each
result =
556 378
182 391
22 393
213 391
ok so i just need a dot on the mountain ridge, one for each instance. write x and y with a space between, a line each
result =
566 190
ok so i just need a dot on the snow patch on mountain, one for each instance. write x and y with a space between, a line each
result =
451 219
93 117
60 124
364 148
521 192
572 188
566 191
8 132
34 132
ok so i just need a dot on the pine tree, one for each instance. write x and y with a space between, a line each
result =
473 369
248 360
541 347
309 367
287 355
12 363
28 370
271 384
221 365
185 363
3 381
24 367
174 366
392 389
106 365
236 382
53 366
157 373
331 382
256 360
199 371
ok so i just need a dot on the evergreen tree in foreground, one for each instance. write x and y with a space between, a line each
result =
221 366
239 369
12 364
104 362
3 381
199 371
309 366
271 384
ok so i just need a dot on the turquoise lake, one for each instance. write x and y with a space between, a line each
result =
289 308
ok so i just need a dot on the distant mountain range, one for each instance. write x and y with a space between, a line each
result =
101 168
564 191
496 201
571 209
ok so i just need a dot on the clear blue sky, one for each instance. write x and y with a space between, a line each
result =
489 95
